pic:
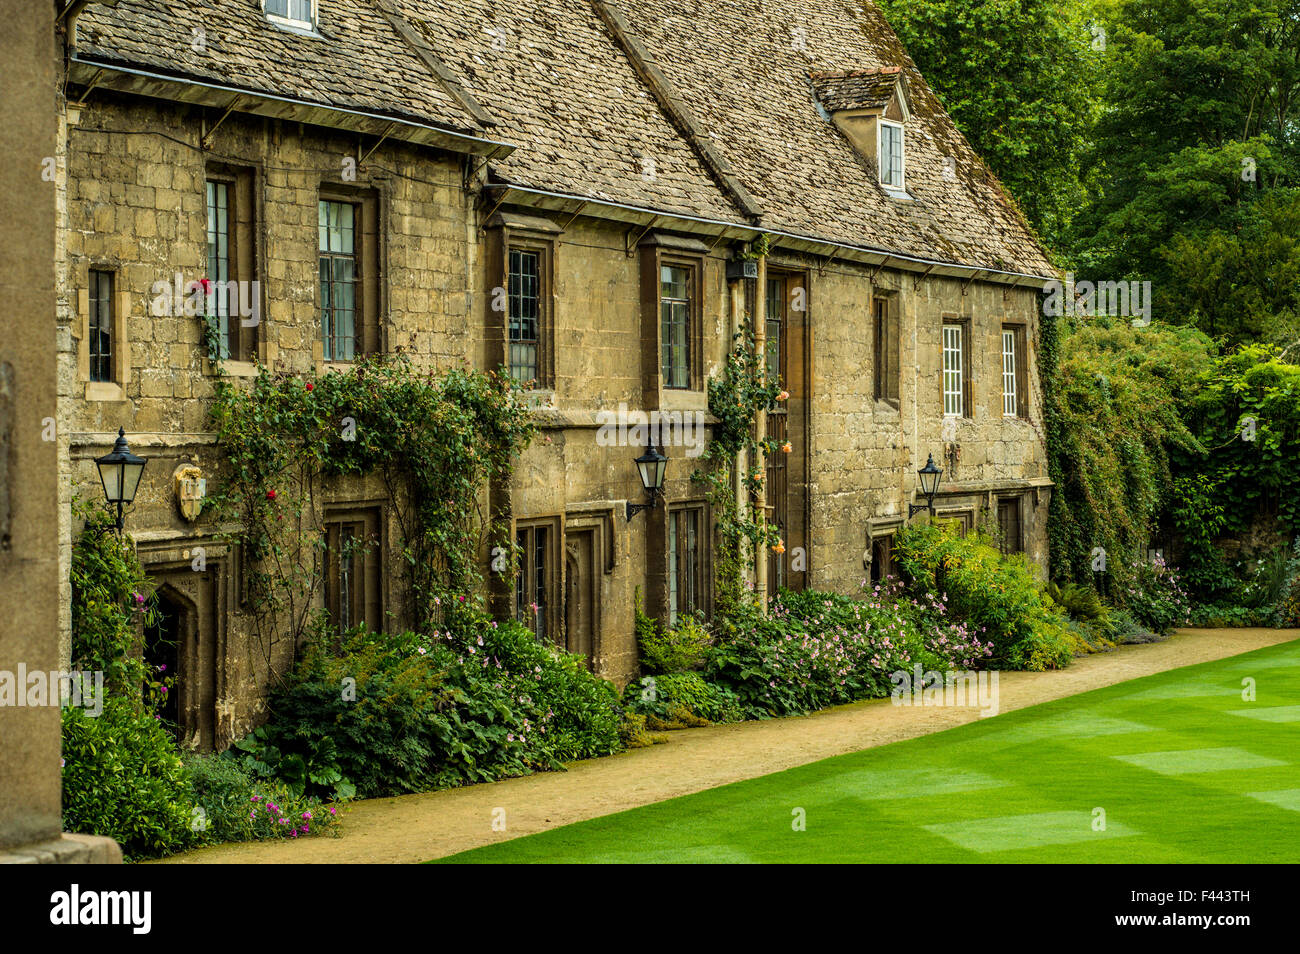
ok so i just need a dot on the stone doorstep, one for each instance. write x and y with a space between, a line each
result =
67 850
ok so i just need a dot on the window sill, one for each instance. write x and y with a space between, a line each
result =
683 399
235 369
888 405
104 391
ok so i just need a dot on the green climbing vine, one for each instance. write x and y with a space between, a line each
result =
432 443
735 399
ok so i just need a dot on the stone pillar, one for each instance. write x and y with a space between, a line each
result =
761 555
30 776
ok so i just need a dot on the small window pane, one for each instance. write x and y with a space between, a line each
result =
338 279
100 335
525 303
1009 396
953 370
891 155
675 311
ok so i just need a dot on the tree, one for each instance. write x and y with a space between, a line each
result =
1020 78
1193 153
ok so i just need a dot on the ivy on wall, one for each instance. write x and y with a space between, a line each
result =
435 442
735 399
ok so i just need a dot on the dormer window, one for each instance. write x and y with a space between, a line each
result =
891 155
870 108
294 14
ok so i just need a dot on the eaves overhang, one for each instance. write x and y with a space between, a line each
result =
93 74
719 231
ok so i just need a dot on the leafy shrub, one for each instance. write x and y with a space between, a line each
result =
122 778
1228 615
1000 596
238 807
1287 611
632 732
815 649
410 713
674 694
1126 630
1155 596
111 598
673 649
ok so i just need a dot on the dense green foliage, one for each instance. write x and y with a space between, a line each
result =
815 649
233 805
1146 139
122 777
1116 416
999 596
672 649
1196 155
1021 79
677 700
111 599
1245 411
435 442
388 715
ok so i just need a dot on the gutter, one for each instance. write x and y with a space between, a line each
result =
140 82
722 230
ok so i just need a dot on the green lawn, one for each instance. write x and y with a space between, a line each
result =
1185 769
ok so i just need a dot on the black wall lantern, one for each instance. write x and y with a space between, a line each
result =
929 476
650 466
119 472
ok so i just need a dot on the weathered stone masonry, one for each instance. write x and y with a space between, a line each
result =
610 178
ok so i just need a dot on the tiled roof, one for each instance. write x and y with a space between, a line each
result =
744 66
855 89
560 87
359 61
709 109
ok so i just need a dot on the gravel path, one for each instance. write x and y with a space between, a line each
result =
415 828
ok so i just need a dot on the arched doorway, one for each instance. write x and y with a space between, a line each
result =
183 639
162 652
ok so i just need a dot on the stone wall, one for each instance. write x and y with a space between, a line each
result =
134 203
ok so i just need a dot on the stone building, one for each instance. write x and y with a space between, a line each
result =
564 189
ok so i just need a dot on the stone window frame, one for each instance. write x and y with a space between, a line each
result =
120 349
965 517
370 586
967 368
704 568
246 179
657 250
508 231
369 301
552 572
309 27
1009 547
901 186
1021 331
890 392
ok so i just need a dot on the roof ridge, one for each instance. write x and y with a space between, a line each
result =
847 74
388 9
671 101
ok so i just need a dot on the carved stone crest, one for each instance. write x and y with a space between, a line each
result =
190 487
